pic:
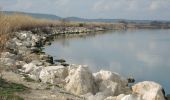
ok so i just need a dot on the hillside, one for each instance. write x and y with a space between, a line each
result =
78 19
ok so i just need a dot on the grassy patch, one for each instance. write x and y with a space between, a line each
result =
8 90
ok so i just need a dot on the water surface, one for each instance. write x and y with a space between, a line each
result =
143 54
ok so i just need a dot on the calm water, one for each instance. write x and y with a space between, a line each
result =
143 54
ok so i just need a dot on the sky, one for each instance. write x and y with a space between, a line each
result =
114 9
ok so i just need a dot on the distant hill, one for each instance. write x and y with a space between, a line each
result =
54 17
35 15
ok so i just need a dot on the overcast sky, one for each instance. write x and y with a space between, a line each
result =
126 9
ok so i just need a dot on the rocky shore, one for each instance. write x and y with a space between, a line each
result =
24 62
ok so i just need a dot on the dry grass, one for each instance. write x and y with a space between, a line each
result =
10 23
15 22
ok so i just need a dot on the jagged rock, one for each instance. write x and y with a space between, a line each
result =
35 73
111 98
134 97
29 67
53 74
24 35
7 62
37 62
80 80
110 84
119 97
108 88
47 58
98 96
19 64
149 90
10 55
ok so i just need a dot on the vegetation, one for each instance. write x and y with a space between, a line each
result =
10 23
8 90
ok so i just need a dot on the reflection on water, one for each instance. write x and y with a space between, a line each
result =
144 54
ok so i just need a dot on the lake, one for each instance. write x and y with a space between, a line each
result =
143 54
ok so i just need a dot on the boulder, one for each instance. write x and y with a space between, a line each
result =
97 96
111 84
80 80
53 74
29 67
24 35
149 90
7 62
110 98
134 97
35 73
108 88
37 62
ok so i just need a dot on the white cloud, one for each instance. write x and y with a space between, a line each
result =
109 5
129 9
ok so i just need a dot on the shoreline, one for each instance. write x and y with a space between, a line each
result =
24 51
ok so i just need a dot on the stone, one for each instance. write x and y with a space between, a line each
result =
35 73
37 62
111 83
47 58
97 96
149 90
80 80
29 67
134 97
110 98
120 96
108 88
53 74
19 64
7 62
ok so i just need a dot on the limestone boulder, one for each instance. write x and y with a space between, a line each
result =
133 97
80 80
149 90
111 83
53 74
35 73
29 67
7 62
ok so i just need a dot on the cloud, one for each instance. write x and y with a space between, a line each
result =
109 5
134 8
159 5
129 9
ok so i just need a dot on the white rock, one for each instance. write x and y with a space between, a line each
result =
110 98
35 73
53 74
8 55
7 61
108 88
80 80
29 67
133 97
98 96
120 96
149 90
107 75
111 83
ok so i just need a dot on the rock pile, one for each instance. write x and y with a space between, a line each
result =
25 53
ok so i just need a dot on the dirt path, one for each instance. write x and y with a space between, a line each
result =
39 91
